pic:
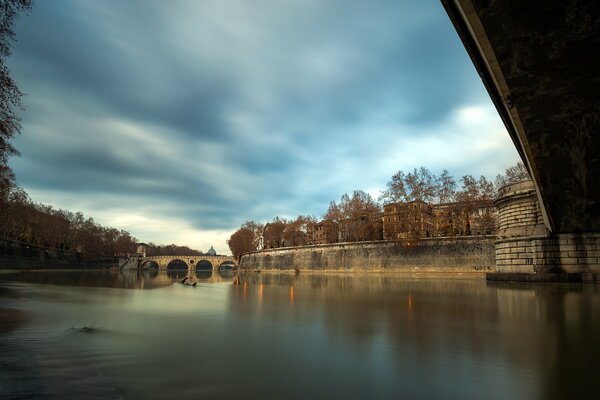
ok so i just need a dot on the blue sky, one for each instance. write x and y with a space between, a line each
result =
178 121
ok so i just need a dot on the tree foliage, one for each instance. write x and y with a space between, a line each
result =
446 188
42 225
241 241
257 229
170 250
358 205
355 216
273 233
10 95
513 174
418 185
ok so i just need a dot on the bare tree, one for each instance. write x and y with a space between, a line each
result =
418 185
446 188
355 216
513 174
10 95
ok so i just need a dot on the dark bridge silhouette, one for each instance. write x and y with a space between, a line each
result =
539 61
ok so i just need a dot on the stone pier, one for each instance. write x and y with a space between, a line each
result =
527 251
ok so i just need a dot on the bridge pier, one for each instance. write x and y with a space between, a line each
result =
542 76
527 250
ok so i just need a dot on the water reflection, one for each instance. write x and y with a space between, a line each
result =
544 336
305 336
177 273
130 279
203 275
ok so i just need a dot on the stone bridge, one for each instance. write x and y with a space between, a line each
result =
193 262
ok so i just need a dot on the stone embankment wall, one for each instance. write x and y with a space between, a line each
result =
468 254
17 255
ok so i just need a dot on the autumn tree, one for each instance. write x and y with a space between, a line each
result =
419 187
241 241
296 231
473 194
258 230
273 233
355 216
10 95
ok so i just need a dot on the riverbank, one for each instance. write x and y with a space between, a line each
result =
20 256
439 255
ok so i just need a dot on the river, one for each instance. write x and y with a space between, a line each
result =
142 335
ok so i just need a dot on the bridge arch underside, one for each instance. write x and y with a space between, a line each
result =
204 265
150 264
177 268
543 80
226 266
542 76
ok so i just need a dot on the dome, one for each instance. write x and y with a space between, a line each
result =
211 252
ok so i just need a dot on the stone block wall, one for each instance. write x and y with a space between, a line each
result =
524 245
469 254
519 212
571 253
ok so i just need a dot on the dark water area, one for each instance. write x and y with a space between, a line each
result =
142 335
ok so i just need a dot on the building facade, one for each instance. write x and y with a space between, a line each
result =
323 232
410 220
417 219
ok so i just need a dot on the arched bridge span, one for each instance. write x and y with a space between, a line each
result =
217 262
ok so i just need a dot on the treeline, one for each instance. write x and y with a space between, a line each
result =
38 224
42 225
359 217
170 250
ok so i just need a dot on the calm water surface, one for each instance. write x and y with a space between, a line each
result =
144 336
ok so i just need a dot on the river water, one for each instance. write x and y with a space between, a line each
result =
145 336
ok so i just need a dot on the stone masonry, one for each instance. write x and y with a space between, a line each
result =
458 255
524 245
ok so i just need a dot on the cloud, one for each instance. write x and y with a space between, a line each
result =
178 122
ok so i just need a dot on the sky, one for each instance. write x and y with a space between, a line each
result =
178 121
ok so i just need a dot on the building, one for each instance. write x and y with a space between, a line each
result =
364 228
322 232
142 249
410 220
211 251
474 218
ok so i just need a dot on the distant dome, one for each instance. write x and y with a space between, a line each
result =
211 252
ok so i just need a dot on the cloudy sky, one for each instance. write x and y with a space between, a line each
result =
180 120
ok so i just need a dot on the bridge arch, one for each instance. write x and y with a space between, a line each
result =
226 265
150 264
177 263
177 268
204 265
193 262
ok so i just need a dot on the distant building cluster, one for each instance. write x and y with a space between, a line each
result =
412 220
416 205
